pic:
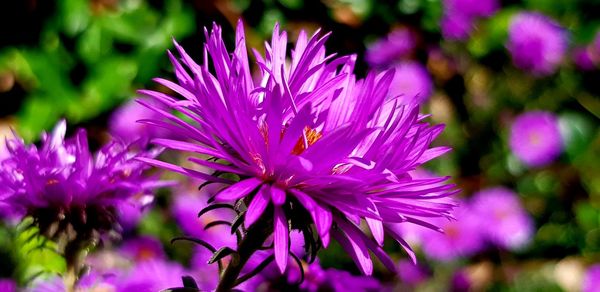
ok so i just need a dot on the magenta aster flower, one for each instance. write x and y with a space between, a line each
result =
460 238
503 220
412 83
143 248
537 43
63 182
152 275
535 138
584 58
460 16
389 50
471 8
8 285
591 280
456 27
318 279
310 142
123 123
412 274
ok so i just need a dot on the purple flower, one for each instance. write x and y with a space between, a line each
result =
185 211
339 281
591 281
8 285
583 58
131 213
63 181
412 83
318 279
309 141
460 16
124 124
456 27
152 275
537 43
471 8
143 248
503 220
460 238
535 138
389 50
411 273
460 281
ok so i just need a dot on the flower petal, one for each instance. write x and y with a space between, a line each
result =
281 239
376 227
354 246
257 205
238 190
278 196
320 215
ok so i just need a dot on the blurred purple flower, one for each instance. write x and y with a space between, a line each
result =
185 210
389 50
339 281
309 133
151 276
62 180
412 83
583 58
471 8
460 16
8 285
535 138
537 43
460 237
124 123
318 279
503 219
130 213
591 280
411 273
456 27
460 282
143 248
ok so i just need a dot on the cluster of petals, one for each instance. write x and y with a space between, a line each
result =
307 135
536 43
64 174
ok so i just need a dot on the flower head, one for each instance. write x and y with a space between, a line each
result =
8 285
142 249
461 238
123 123
460 16
471 8
583 58
537 43
535 138
311 143
63 181
152 275
412 82
412 274
591 281
389 50
503 220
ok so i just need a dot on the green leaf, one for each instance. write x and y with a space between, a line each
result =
577 131
74 15
94 43
292 4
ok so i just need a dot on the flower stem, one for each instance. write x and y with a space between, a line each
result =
254 239
74 254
